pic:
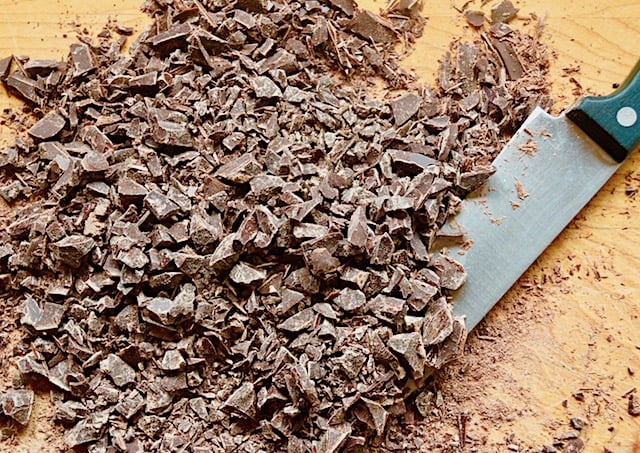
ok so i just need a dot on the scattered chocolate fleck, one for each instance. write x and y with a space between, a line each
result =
634 405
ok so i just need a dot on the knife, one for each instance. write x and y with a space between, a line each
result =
544 176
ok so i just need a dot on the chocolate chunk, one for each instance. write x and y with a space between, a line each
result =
94 162
509 58
26 87
12 191
290 299
160 205
29 364
130 403
172 37
472 180
302 320
264 87
421 295
118 370
173 361
31 312
397 203
83 59
350 299
351 361
35 68
309 230
240 170
377 416
321 262
474 18
334 438
409 347
381 249
451 273
5 67
72 249
405 107
243 18
438 322
48 127
372 27
170 128
96 138
169 311
243 273
50 317
17 404
573 446
358 232
133 258
242 401
205 229
86 430
450 348
503 11
386 307
147 80
131 190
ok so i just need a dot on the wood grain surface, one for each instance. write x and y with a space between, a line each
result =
571 325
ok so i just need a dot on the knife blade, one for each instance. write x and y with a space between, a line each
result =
545 175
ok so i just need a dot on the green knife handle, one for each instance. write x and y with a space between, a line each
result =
612 121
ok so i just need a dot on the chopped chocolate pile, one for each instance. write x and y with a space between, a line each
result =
222 240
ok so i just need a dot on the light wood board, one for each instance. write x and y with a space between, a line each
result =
572 324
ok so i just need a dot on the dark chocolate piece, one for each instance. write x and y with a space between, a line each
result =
372 27
83 59
48 127
503 12
17 404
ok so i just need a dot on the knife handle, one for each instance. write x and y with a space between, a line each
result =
612 121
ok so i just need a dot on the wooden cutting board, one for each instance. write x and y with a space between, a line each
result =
565 341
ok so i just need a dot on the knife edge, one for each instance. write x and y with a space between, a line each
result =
559 168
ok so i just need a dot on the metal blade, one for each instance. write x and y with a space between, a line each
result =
559 177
